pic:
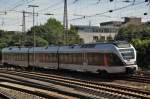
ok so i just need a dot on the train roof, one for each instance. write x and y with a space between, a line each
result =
93 47
15 50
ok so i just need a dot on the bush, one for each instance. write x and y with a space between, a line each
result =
143 52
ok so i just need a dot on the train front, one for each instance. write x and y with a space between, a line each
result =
128 55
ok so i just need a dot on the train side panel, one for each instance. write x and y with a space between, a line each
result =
91 62
13 56
43 60
44 57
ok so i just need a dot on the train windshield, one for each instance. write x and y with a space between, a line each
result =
127 54
122 45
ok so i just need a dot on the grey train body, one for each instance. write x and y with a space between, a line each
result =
115 57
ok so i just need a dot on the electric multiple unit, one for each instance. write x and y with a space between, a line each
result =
115 57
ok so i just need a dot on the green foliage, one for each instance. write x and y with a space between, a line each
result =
53 32
139 36
143 52
131 32
41 42
73 37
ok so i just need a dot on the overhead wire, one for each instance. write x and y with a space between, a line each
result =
20 3
53 5
109 11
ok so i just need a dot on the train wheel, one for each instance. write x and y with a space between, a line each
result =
103 74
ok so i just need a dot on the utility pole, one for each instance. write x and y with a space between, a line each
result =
23 22
23 28
3 13
65 22
34 40
24 25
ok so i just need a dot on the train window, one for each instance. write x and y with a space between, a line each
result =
40 57
7 56
114 60
73 58
95 59
65 58
25 57
90 58
122 44
46 58
31 55
69 56
61 58
14 57
54 57
49 57
88 46
17 57
43 58
21 57
76 58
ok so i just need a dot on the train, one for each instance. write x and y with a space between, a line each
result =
102 58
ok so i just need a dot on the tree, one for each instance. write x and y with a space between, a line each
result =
139 36
53 32
143 52
73 37
132 31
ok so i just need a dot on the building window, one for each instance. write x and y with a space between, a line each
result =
95 38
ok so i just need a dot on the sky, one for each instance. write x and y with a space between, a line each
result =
95 12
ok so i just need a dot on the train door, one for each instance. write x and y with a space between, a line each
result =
0 57
85 62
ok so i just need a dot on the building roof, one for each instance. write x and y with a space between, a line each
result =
111 22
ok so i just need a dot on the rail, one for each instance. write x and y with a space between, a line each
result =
89 87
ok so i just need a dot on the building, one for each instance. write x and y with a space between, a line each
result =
95 33
106 30
132 20
110 27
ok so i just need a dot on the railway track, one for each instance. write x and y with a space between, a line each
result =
4 96
54 92
97 89
139 78
33 92
144 72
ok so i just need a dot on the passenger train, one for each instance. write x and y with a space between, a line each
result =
102 58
